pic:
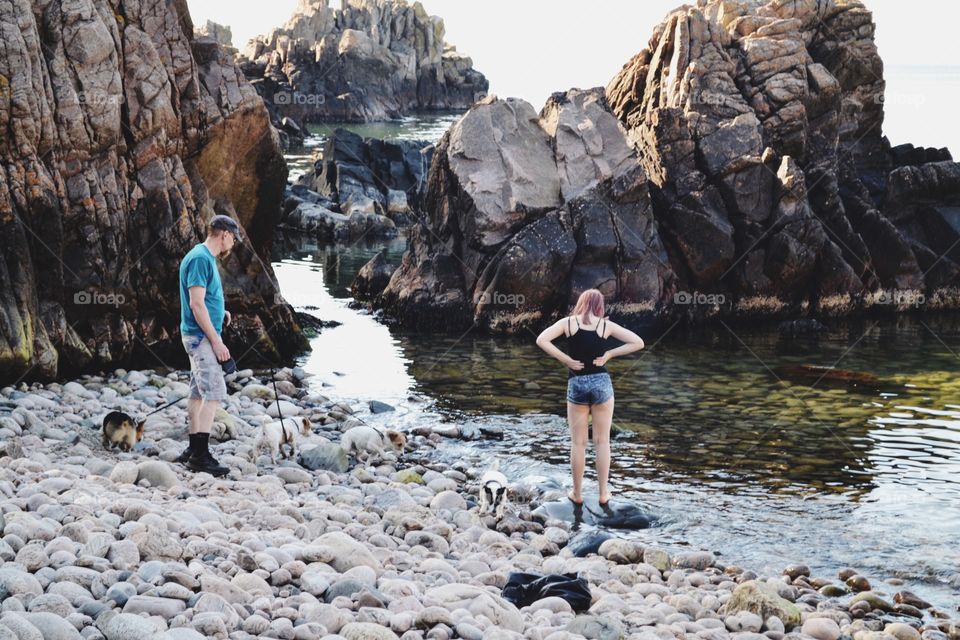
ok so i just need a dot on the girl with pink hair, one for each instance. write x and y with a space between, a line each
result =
589 388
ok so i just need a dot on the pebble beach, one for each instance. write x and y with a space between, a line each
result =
98 543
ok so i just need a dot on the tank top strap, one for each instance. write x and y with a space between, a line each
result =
577 320
604 327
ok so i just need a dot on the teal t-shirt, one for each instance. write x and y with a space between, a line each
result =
199 269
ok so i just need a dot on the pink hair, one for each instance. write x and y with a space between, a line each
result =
590 301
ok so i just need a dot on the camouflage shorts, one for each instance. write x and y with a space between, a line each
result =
206 375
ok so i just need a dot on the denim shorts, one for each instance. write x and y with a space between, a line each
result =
206 374
593 388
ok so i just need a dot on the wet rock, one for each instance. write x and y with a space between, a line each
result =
902 631
874 600
910 598
794 571
698 560
858 583
614 516
621 551
587 543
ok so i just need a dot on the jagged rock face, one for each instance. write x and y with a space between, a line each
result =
759 124
121 136
753 174
525 211
372 60
222 34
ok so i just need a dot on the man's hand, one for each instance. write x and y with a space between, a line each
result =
227 318
220 350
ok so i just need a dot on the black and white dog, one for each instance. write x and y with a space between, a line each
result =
493 491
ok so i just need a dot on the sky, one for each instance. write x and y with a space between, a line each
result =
531 48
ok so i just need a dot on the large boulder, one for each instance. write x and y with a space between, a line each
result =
123 136
763 600
367 61
734 167
526 210
759 125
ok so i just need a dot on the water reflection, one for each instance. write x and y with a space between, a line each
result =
727 453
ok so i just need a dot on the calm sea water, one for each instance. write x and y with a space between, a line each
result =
728 455
731 456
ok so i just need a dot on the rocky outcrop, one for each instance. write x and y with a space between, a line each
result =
222 34
122 135
521 204
359 187
747 167
370 60
759 125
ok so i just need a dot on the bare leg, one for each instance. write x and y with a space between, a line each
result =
206 411
602 418
193 408
577 416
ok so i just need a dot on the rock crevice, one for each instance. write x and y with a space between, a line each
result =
121 135
751 134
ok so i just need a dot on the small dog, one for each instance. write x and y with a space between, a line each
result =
493 491
276 434
122 431
367 440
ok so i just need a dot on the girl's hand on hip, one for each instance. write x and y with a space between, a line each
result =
602 360
576 365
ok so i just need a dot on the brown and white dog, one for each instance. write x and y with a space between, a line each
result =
275 435
121 431
365 441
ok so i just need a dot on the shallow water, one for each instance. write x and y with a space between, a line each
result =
730 457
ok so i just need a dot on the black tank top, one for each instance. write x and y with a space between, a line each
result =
585 345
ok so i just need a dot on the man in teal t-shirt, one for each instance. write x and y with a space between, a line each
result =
202 316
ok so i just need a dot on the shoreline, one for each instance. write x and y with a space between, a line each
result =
395 549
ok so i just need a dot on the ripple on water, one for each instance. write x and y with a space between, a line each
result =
764 470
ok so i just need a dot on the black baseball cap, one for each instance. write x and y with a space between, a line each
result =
226 223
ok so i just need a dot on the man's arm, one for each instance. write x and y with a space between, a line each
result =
202 316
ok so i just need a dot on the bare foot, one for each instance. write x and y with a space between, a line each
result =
574 499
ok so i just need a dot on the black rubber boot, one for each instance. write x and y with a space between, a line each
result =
188 452
202 462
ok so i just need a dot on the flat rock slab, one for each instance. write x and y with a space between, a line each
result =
615 515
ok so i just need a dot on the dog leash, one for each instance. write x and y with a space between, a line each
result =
169 404
273 378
